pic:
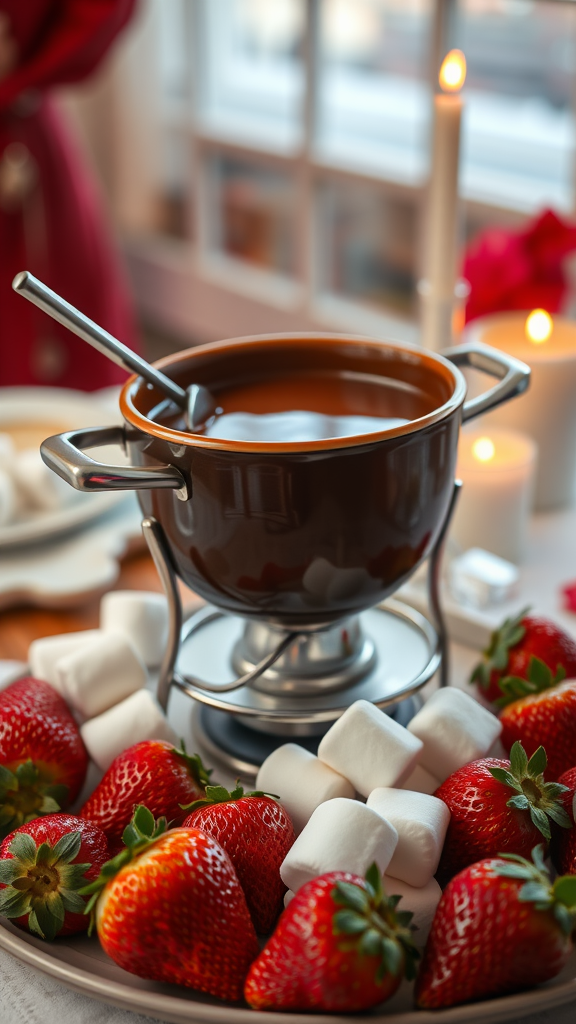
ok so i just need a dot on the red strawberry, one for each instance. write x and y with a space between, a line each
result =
256 833
545 719
500 926
43 864
563 848
340 945
525 654
154 773
170 908
497 805
43 760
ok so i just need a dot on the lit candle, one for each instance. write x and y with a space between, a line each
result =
437 288
497 471
547 411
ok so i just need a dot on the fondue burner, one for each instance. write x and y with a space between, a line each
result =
294 684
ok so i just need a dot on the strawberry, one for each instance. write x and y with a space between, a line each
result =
154 773
170 908
547 719
524 655
498 805
563 847
43 864
43 760
340 945
256 833
500 926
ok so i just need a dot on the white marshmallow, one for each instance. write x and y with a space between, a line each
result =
8 498
454 729
43 654
289 895
421 902
421 822
99 674
40 487
301 781
342 835
137 718
143 618
421 781
369 748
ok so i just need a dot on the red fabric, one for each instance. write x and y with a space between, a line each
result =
519 270
59 230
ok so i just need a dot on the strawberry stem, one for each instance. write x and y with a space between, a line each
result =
495 657
220 795
540 678
532 793
370 919
25 795
559 896
137 836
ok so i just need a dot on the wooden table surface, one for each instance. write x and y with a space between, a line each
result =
19 626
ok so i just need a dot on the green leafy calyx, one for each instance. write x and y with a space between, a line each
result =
559 897
370 922
220 795
137 837
199 773
41 883
495 657
531 792
540 678
25 794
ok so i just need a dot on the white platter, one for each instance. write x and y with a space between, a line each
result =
82 965
33 414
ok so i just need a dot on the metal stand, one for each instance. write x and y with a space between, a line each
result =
267 698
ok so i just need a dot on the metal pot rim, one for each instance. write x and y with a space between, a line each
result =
406 352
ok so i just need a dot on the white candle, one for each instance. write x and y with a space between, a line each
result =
497 471
437 288
547 411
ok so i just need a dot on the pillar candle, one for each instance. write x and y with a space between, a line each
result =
497 471
547 411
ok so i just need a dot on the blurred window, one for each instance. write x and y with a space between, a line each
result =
374 95
519 127
251 75
252 211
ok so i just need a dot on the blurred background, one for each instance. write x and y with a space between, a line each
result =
263 163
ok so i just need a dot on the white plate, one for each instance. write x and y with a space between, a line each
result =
81 964
32 414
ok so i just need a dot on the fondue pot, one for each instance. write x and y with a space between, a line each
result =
299 534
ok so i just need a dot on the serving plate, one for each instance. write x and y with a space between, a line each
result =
32 414
81 964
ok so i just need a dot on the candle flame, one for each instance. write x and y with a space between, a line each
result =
539 326
483 449
453 71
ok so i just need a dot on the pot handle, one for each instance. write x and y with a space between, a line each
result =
64 454
513 375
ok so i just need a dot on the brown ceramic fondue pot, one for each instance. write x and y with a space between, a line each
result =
305 531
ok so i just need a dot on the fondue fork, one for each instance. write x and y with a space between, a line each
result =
196 401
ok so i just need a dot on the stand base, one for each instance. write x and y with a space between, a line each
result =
242 750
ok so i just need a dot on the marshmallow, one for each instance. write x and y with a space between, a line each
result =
142 616
369 748
342 835
301 781
421 781
288 895
99 674
8 498
455 729
43 654
137 718
41 488
421 822
421 902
